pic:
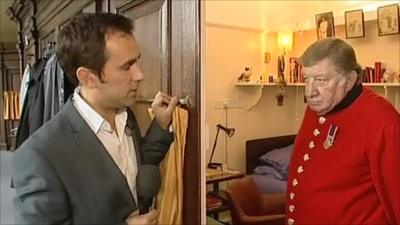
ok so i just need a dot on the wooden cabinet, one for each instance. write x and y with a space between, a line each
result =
217 199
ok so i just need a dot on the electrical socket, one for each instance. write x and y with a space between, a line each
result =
228 103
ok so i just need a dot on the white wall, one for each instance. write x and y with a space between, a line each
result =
228 51
369 49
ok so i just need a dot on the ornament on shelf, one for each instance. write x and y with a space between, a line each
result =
260 79
281 91
245 76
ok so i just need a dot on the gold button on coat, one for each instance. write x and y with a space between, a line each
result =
306 157
291 195
316 132
321 120
300 169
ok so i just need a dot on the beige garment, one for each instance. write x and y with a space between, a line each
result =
6 108
17 113
11 104
170 197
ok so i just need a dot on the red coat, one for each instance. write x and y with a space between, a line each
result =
357 179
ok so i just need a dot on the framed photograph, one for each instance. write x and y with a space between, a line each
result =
354 23
325 25
388 19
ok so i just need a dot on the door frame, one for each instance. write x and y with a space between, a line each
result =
184 79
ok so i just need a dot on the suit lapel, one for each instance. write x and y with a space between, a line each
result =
136 137
85 138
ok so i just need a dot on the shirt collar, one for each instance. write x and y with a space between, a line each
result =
94 119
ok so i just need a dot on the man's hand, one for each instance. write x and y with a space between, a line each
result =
163 106
145 219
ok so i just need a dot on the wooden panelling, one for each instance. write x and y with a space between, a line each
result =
10 80
168 36
2 89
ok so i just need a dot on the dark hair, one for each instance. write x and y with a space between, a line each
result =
340 53
82 42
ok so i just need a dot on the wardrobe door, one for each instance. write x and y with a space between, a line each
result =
151 34
168 36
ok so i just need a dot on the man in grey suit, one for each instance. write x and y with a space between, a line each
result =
81 166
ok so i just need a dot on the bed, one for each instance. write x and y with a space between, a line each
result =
267 182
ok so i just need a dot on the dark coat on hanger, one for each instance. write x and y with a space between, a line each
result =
47 91
64 175
32 112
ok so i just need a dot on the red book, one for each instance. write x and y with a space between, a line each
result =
378 75
301 74
365 77
213 201
370 78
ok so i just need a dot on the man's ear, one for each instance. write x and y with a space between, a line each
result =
86 77
351 80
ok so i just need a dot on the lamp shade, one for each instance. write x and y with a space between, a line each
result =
285 40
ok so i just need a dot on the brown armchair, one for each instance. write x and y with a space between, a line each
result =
251 207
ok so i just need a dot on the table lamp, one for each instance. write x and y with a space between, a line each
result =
229 132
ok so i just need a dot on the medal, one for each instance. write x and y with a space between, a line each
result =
330 138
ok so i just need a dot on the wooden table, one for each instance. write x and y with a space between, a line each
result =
217 200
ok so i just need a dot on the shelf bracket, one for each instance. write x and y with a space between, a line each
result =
259 96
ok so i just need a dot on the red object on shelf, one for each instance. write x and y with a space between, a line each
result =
378 72
213 201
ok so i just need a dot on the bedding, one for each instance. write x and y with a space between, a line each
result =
278 159
269 184
268 170
267 162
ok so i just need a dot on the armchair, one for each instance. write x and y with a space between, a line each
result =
251 207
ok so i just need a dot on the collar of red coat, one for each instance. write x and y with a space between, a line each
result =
349 99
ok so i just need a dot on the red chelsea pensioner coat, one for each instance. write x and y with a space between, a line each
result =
357 179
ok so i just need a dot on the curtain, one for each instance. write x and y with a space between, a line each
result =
170 197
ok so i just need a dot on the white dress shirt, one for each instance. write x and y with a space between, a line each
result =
116 142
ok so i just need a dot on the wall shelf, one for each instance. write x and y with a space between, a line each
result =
260 87
302 84
382 84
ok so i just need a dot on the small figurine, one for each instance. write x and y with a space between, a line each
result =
260 80
245 76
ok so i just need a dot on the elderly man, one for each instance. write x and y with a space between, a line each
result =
345 168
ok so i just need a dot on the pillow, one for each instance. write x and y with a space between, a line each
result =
268 170
278 159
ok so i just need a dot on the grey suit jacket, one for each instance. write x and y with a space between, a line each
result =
64 175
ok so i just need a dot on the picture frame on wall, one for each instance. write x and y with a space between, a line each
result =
354 23
325 25
388 19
